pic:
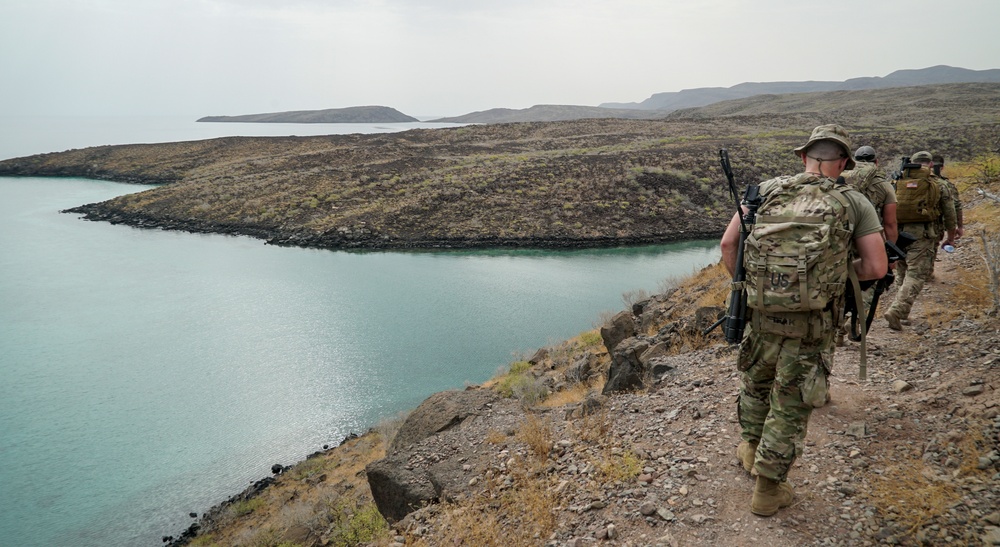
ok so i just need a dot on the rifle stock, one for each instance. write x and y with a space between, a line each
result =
734 323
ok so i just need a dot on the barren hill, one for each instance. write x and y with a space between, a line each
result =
555 184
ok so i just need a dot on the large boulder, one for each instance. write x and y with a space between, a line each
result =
439 412
398 491
399 486
627 371
621 326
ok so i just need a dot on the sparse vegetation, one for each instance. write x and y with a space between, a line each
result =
556 184
911 494
537 434
352 525
245 507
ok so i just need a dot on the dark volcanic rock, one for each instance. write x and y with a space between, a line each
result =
440 412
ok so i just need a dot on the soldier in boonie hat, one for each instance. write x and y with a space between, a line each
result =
829 132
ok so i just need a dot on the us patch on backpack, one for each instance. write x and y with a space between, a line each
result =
798 252
918 197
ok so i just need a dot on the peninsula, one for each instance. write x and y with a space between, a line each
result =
567 184
354 114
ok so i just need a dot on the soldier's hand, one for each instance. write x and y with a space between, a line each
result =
959 232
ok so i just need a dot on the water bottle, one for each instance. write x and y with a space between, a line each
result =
948 248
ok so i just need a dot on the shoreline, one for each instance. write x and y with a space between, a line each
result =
367 240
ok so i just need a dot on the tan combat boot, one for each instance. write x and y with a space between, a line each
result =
769 496
745 452
893 320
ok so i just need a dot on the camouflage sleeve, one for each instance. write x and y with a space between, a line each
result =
948 208
955 198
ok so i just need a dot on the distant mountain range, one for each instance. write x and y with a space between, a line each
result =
702 96
657 106
660 105
353 114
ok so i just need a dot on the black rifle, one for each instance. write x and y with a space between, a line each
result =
904 166
894 252
735 320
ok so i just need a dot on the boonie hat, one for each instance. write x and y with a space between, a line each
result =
830 132
864 152
922 156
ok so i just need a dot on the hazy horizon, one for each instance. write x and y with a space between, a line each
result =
436 58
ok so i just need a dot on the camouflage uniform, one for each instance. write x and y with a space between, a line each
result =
783 376
919 263
870 179
940 225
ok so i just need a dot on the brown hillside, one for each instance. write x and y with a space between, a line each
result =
556 184
911 456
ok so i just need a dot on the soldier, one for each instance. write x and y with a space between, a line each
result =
959 221
925 209
794 309
870 179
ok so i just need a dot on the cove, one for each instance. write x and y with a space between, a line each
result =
149 374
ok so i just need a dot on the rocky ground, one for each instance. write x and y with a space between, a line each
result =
907 457
911 456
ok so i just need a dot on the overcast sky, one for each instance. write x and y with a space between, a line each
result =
450 57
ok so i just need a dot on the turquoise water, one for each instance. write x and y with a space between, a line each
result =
148 374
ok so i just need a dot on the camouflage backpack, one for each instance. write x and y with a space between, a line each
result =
864 178
918 197
798 253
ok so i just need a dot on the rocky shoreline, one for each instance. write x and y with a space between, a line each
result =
365 239
646 455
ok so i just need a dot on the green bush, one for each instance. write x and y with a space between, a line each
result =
245 507
356 525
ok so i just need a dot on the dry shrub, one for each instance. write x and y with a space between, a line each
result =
495 437
907 494
619 466
980 284
688 342
537 434
970 292
571 395
387 428
595 427
714 281
912 494
522 515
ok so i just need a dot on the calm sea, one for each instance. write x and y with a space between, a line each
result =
149 374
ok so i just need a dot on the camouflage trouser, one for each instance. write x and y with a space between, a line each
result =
917 270
782 379
866 296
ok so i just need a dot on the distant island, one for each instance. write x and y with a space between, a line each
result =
353 114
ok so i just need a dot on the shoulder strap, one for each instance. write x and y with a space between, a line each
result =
859 304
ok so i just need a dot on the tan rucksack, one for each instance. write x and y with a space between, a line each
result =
918 197
797 255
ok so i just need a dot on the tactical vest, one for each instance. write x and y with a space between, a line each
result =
918 197
798 253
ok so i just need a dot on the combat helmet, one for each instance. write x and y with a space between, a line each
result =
865 153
